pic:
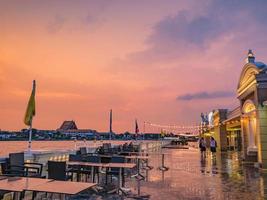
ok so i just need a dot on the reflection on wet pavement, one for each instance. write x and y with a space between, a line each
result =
191 177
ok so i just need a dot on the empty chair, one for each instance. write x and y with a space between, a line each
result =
93 159
115 150
107 148
105 159
16 159
75 169
57 171
87 170
114 171
16 164
4 166
100 150
17 167
73 157
130 147
117 159
83 150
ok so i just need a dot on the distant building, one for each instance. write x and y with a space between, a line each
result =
68 125
105 135
70 128
7 135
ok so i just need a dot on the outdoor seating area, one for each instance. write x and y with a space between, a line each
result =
176 174
107 169
125 149
16 166
19 177
108 163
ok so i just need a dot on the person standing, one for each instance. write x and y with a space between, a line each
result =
213 146
202 147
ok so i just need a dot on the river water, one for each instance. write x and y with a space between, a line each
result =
7 147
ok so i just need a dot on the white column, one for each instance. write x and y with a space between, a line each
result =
251 129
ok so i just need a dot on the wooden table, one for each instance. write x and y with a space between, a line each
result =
133 157
21 184
18 185
121 166
61 187
106 165
86 164
138 158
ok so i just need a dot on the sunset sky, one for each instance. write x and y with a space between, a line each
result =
162 61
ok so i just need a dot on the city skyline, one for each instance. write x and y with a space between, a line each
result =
164 62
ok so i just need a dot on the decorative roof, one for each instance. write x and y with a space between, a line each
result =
68 125
260 65
249 72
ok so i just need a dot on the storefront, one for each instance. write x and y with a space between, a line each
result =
233 128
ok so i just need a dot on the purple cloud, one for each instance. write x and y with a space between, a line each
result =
187 30
180 28
205 95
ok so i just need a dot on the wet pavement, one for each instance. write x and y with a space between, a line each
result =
190 177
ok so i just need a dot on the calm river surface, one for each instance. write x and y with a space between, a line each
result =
7 147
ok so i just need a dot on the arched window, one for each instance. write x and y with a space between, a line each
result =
248 107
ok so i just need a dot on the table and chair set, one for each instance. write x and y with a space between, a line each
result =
111 161
19 177
79 173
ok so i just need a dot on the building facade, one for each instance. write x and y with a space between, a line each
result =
245 127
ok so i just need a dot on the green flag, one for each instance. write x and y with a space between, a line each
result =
30 112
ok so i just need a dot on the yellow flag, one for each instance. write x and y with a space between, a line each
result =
30 112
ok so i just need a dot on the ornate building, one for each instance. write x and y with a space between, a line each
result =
252 94
245 127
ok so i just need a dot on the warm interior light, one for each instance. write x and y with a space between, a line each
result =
249 107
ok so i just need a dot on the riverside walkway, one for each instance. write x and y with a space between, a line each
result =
190 178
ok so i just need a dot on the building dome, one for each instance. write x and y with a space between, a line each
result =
250 60
260 65
249 72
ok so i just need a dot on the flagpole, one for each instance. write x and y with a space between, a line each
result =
30 138
110 124
136 130
144 130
